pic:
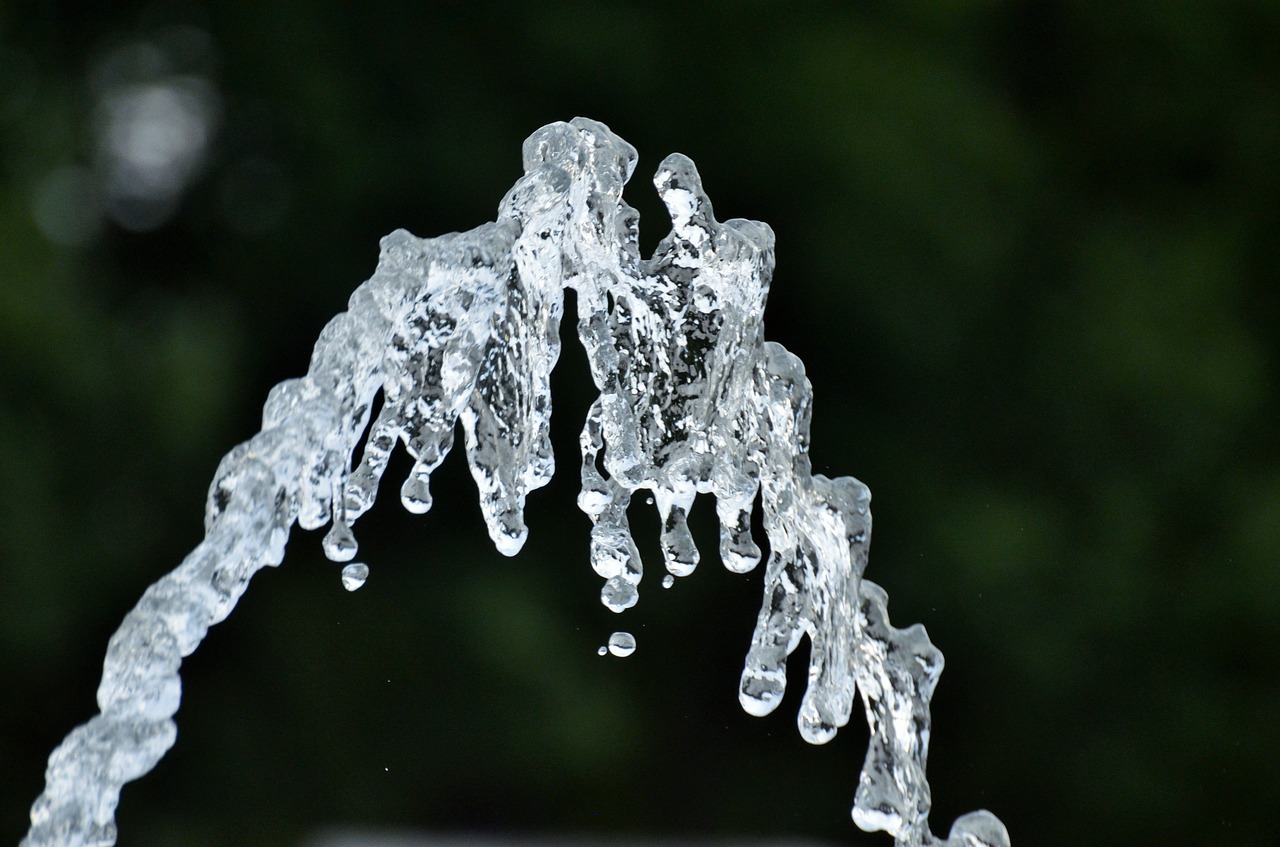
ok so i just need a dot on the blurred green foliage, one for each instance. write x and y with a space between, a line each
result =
1026 249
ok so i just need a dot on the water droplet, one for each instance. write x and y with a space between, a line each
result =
761 690
415 495
678 549
603 651
339 543
593 502
618 594
622 644
668 581
354 575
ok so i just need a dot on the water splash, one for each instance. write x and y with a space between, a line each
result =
464 329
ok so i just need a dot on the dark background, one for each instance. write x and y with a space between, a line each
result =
1027 251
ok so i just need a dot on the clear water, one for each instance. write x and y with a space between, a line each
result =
463 330
354 575
622 644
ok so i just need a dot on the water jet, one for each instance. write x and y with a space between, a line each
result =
463 329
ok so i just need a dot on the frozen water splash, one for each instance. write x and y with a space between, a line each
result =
464 329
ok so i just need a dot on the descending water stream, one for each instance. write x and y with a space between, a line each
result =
464 328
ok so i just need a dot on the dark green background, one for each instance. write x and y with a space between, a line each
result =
1026 249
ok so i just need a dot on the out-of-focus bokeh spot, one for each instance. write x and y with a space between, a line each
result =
156 113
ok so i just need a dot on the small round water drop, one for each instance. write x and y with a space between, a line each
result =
354 575
668 581
340 543
603 651
415 495
622 644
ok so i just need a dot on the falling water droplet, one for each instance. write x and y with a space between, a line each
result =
618 594
668 581
603 651
340 543
415 495
622 644
354 575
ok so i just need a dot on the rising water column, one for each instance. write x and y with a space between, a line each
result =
464 328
